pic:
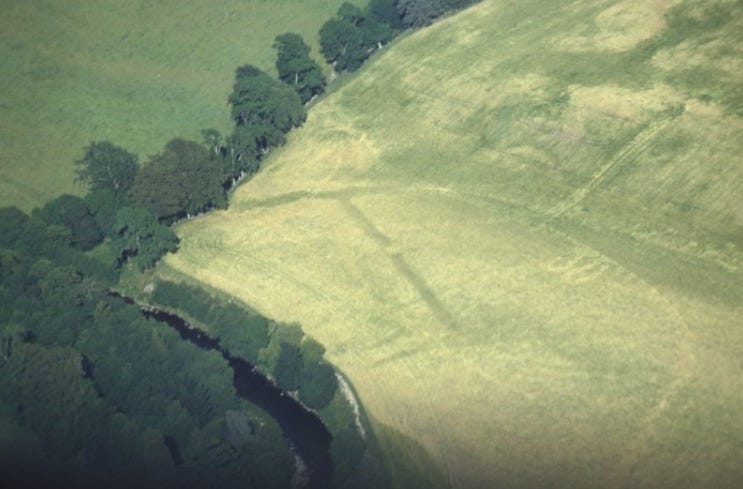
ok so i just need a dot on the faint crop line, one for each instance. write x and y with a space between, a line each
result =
425 292
635 147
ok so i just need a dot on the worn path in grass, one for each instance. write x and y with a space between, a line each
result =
136 73
519 233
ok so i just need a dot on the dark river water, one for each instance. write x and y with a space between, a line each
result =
306 433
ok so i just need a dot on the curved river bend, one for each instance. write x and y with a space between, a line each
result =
307 435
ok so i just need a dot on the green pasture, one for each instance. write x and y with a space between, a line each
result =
137 73
519 233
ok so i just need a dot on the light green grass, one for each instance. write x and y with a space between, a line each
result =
520 234
136 73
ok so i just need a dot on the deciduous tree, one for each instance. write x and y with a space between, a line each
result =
73 213
137 236
184 179
343 44
106 166
264 110
419 13
296 68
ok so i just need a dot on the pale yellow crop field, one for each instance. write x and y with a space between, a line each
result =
519 233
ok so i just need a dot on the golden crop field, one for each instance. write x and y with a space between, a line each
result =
519 233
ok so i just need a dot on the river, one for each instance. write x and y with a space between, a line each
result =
307 435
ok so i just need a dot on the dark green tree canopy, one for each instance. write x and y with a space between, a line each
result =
12 222
106 166
73 213
296 68
258 99
264 110
184 179
343 44
138 237
350 13
318 384
288 370
104 204
349 38
419 13
385 12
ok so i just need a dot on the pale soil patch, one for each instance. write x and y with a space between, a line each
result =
688 56
621 27
624 103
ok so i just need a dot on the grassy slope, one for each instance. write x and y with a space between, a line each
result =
137 73
520 234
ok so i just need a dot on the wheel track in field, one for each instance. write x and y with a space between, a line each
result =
636 147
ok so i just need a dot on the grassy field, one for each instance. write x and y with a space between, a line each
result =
519 233
137 73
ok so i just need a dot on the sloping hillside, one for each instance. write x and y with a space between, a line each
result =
137 73
519 232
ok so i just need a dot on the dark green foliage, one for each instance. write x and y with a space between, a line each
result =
312 350
142 367
296 68
138 237
318 382
66 307
246 147
38 239
419 13
106 166
191 300
385 12
212 459
347 450
73 213
15 283
104 204
264 110
288 370
343 44
350 13
318 385
101 385
53 397
109 391
349 38
12 223
376 34
182 180
240 332
213 141
458 4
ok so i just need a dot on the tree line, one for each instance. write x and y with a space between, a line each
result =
132 205
115 398
112 393
354 33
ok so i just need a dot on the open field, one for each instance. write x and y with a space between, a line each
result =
137 73
519 233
